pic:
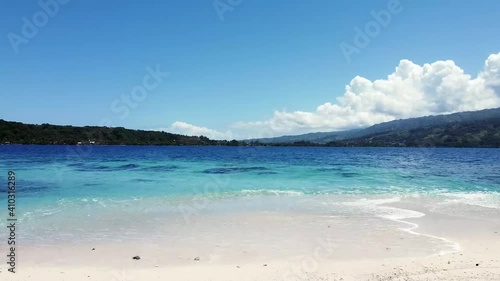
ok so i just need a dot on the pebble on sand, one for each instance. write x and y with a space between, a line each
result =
197 259
136 258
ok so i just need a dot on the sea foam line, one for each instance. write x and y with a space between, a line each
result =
270 192
482 199
398 215
455 246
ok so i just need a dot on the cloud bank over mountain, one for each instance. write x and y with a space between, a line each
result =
412 90
192 130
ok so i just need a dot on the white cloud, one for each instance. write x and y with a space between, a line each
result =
491 73
411 91
192 130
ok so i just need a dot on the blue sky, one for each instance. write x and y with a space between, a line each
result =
261 69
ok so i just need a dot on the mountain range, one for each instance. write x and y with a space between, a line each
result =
409 132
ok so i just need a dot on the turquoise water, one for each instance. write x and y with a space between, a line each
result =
60 187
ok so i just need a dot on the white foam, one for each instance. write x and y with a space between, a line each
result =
49 212
482 199
372 202
270 192
399 215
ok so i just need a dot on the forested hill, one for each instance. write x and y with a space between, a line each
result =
402 125
479 118
19 133
472 133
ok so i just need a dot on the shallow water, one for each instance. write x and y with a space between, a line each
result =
82 193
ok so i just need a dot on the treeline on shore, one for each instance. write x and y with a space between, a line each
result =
20 133
484 133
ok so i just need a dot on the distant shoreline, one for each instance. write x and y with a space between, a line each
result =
248 145
479 129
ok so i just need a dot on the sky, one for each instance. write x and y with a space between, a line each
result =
245 69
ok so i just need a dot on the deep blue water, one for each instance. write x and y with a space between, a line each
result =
127 171
97 192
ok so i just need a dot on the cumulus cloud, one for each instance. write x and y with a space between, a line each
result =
491 74
192 130
411 91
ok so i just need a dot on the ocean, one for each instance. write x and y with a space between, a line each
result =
76 194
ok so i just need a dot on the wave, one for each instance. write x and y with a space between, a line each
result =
160 168
249 192
234 170
102 168
482 199
400 215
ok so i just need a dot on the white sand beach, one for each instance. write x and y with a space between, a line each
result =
451 242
